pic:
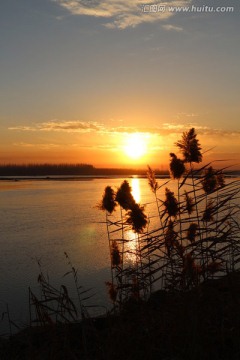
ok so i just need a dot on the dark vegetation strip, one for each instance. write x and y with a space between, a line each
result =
76 169
67 169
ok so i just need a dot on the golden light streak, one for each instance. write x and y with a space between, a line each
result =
136 189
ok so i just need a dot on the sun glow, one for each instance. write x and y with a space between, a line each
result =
135 145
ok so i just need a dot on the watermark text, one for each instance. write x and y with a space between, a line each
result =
161 8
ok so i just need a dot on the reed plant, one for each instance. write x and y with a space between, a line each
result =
54 309
186 265
55 305
198 235
126 280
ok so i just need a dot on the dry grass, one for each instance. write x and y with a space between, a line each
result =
202 323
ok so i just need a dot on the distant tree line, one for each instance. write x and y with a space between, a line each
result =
68 169
74 169
45 169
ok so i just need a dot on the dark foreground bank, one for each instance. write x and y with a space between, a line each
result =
200 324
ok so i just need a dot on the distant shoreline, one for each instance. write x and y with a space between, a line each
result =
48 170
75 177
86 177
77 172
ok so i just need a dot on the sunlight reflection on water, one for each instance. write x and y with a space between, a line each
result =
131 245
136 189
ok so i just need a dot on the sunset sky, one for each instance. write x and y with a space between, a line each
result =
89 81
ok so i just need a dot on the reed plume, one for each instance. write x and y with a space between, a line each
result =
152 180
124 196
190 147
137 218
209 181
108 202
177 167
170 203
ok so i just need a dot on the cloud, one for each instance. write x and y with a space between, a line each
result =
183 115
172 28
31 145
123 13
22 128
81 127
71 126
67 126
96 127
179 128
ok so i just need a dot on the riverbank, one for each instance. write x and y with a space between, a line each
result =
203 323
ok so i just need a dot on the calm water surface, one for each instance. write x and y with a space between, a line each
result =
40 220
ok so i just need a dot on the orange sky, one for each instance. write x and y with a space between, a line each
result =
74 142
77 80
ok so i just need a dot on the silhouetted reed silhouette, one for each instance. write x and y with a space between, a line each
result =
198 233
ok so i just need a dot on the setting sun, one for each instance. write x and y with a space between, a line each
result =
135 146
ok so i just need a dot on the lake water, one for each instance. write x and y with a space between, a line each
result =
40 220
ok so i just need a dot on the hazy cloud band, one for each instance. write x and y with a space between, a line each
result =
121 13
